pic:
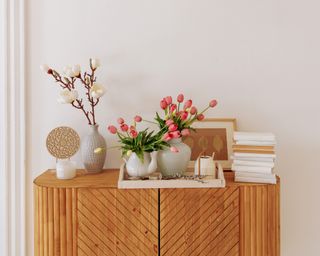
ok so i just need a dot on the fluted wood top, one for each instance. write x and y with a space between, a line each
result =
106 179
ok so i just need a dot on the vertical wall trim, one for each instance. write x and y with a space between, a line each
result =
14 148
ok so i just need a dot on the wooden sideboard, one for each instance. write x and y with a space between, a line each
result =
90 216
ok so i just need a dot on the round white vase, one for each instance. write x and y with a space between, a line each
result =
171 163
136 168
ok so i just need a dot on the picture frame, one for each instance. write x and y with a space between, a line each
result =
213 135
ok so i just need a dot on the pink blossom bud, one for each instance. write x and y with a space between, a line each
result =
200 117
124 127
193 110
168 99
134 134
180 98
138 119
175 134
132 128
185 132
173 107
169 122
163 104
184 115
188 104
120 120
213 103
174 149
112 129
167 136
173 127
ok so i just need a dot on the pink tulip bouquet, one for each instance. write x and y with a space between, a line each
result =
134 141
179 116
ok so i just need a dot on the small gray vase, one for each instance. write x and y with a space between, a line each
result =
93 162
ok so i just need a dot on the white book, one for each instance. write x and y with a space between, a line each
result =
255 175
255 180
258 169
257 136
238 154
253 163
255 143
253 159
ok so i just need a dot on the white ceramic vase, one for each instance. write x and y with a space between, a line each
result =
93 162
136 168
171 163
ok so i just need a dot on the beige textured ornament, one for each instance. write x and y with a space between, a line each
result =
63 142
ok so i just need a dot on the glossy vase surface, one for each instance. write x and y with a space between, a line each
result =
172 163
93 162
137 168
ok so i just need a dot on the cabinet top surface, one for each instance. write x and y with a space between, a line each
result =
106 179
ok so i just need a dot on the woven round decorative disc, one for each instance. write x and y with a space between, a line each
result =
63 142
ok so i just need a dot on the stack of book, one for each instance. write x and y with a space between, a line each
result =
254 157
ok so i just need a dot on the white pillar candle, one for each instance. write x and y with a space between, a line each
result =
66 169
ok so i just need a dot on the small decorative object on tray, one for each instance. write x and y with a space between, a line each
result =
186 180
62 143
139 148
93 162
177 123
254 156
205 165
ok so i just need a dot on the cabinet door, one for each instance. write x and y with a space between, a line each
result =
117 222
199 222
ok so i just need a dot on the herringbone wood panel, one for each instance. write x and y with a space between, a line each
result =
117 222
199 222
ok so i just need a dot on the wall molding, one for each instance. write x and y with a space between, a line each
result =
14 127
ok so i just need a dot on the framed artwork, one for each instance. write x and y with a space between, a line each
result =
213 135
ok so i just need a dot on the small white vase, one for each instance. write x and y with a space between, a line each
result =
65 169
136 168
171 163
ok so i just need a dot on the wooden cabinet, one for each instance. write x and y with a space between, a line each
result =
90 216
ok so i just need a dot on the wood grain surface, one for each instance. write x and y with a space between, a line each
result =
90 216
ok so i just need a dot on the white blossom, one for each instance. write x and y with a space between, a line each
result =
76 70
95 63
45 68
97 90
68 71
67 96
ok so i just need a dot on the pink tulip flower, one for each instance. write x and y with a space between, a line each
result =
112 129
134 133
184 115
193 110
124 127
174 149
173 127
167 136
175 134
173 107
213 103
180 98
120 120
132 128
168 100
188 104
138 119
163 104
185 132
169 122
200 117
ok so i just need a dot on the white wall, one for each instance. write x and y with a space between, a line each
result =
260 59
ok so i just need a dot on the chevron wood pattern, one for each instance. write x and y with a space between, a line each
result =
89 216
117 222
197 221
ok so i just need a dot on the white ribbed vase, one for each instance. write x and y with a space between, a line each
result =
93 162
171 163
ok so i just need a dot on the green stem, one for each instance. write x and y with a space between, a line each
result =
149 121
